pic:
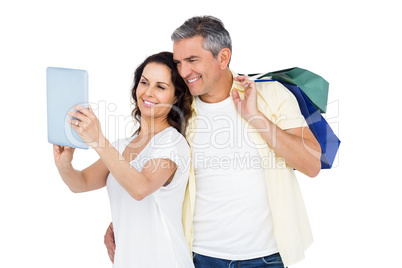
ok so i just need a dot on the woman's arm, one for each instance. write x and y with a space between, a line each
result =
91 178
155 173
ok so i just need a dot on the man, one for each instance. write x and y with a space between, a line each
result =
243 204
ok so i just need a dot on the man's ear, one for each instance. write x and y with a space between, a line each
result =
224 57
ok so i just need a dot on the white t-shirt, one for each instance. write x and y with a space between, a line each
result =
149 233
229 222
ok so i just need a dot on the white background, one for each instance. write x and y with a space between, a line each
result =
355 45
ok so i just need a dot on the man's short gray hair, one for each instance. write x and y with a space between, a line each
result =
216 37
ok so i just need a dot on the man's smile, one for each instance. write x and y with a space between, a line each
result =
193 79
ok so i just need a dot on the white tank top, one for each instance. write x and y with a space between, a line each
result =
232 218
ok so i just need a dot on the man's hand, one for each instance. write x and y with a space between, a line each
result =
247 108
297 146
109 242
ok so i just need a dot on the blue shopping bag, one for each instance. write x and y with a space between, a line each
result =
329 142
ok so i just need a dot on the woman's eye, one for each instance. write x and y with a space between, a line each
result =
161 87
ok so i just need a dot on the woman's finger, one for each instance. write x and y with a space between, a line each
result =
82 109
75 124
78 115
91 111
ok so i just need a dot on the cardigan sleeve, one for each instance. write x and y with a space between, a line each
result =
280 105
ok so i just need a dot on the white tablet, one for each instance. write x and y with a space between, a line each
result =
65 88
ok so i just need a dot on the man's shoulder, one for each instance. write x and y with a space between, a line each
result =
272 89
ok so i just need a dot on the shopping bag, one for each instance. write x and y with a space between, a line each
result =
313 85
324 134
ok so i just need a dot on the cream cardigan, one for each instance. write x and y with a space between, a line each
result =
291 226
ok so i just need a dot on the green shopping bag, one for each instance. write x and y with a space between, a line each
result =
313 85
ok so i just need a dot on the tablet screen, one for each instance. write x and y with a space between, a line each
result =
65 89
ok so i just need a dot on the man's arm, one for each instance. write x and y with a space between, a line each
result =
297 146
109 242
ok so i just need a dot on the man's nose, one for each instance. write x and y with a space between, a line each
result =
184 70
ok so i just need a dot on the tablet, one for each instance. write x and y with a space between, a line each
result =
65 88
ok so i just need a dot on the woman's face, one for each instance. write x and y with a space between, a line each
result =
155 91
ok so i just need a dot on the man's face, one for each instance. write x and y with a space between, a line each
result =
198 67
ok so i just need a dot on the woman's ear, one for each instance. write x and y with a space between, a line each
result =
224 57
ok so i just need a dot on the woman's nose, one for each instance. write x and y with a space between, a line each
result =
149 91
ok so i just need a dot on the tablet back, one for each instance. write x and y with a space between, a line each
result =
65 88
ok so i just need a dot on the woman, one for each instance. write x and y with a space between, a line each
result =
145 175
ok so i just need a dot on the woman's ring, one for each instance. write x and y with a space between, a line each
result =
76 123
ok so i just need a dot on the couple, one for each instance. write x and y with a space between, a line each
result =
239 202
